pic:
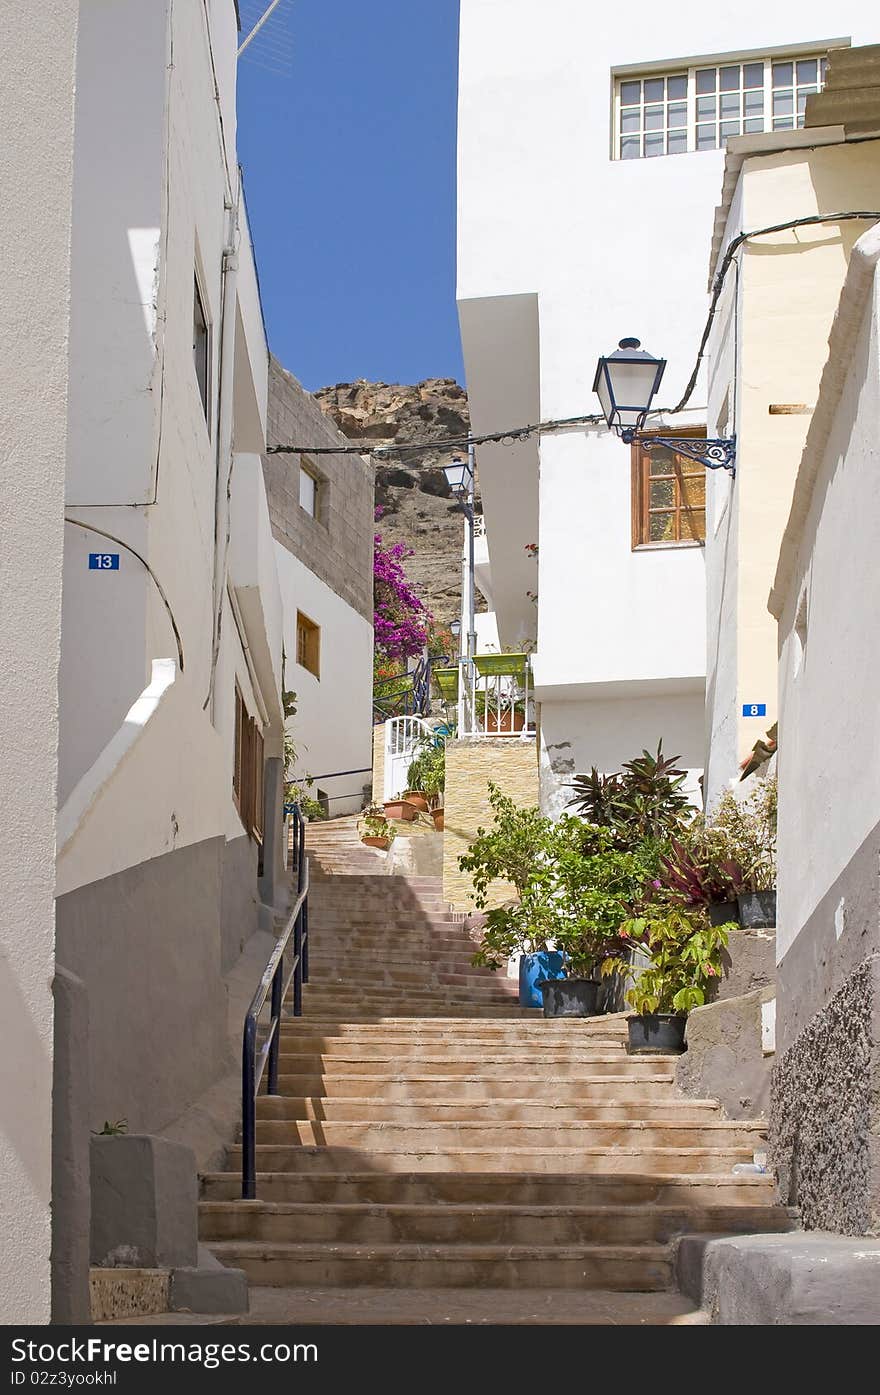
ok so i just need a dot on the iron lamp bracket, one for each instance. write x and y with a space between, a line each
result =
716 453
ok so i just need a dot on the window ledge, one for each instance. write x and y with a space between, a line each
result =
668 546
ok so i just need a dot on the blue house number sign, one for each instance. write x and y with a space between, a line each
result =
754 709
103 561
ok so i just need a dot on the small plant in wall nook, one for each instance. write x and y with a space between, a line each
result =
113 1128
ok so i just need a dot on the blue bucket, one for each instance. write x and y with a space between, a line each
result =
533 969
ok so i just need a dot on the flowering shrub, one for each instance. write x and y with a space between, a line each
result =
401 620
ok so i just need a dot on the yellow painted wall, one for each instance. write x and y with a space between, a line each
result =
791 283
470 767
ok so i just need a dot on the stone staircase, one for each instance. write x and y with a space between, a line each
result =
433 1140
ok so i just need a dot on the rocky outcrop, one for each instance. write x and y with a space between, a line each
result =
411 488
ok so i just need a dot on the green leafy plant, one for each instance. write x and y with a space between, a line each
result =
573 886
427 772
373 824
510 851
645 800
698 868
684 950
744 831
112 1128
309 808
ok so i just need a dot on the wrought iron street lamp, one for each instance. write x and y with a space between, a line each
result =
460 478
625 383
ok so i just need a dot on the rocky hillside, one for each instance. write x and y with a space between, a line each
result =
411 488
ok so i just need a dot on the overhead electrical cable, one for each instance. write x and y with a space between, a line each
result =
546 428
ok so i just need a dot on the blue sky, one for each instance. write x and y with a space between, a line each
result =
347 138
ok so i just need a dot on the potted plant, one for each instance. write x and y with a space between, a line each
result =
592 891
427 775
515 851
491 665
446 680
375 830
501 714
746 829
644 801
399 809
684 958
697 869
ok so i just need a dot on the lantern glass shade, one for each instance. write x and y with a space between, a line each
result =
625 384
455 629
458 476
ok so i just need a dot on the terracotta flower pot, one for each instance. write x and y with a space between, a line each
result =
437 816
417 800
400 809
509 721
372 840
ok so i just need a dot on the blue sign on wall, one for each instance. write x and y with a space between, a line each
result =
754 709
103 561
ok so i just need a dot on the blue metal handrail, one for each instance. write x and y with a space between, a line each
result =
253 1063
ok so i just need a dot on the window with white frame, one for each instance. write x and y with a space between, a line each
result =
699 107
308 491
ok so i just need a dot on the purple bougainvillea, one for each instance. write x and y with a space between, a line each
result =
400 618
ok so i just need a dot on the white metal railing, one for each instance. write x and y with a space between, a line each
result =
497 704
402 737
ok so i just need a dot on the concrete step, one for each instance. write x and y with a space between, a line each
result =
339 1307
285 1157
424 1188
336 955
637 1268
543 1030
451 1224
418 975
397 1046
549 1068
495 1135
335 1108
463 1088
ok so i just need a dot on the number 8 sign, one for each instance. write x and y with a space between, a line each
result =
754 709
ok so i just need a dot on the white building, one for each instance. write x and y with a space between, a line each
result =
37 117
170 683
571 236
321 509
825 596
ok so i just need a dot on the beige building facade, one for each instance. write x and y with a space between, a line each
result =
767 351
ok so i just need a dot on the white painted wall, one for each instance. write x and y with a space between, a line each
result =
606 732
332 728
155 172
562 251
37 121
829 755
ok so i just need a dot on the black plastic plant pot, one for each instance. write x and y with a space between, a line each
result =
572 997
721 912
757 910
657 1031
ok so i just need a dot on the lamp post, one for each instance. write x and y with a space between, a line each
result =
460 478
625 384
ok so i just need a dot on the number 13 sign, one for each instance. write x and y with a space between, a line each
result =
103 561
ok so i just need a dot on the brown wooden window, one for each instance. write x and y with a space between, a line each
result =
668 497
308 644
247 770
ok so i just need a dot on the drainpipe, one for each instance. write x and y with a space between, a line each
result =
225 458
